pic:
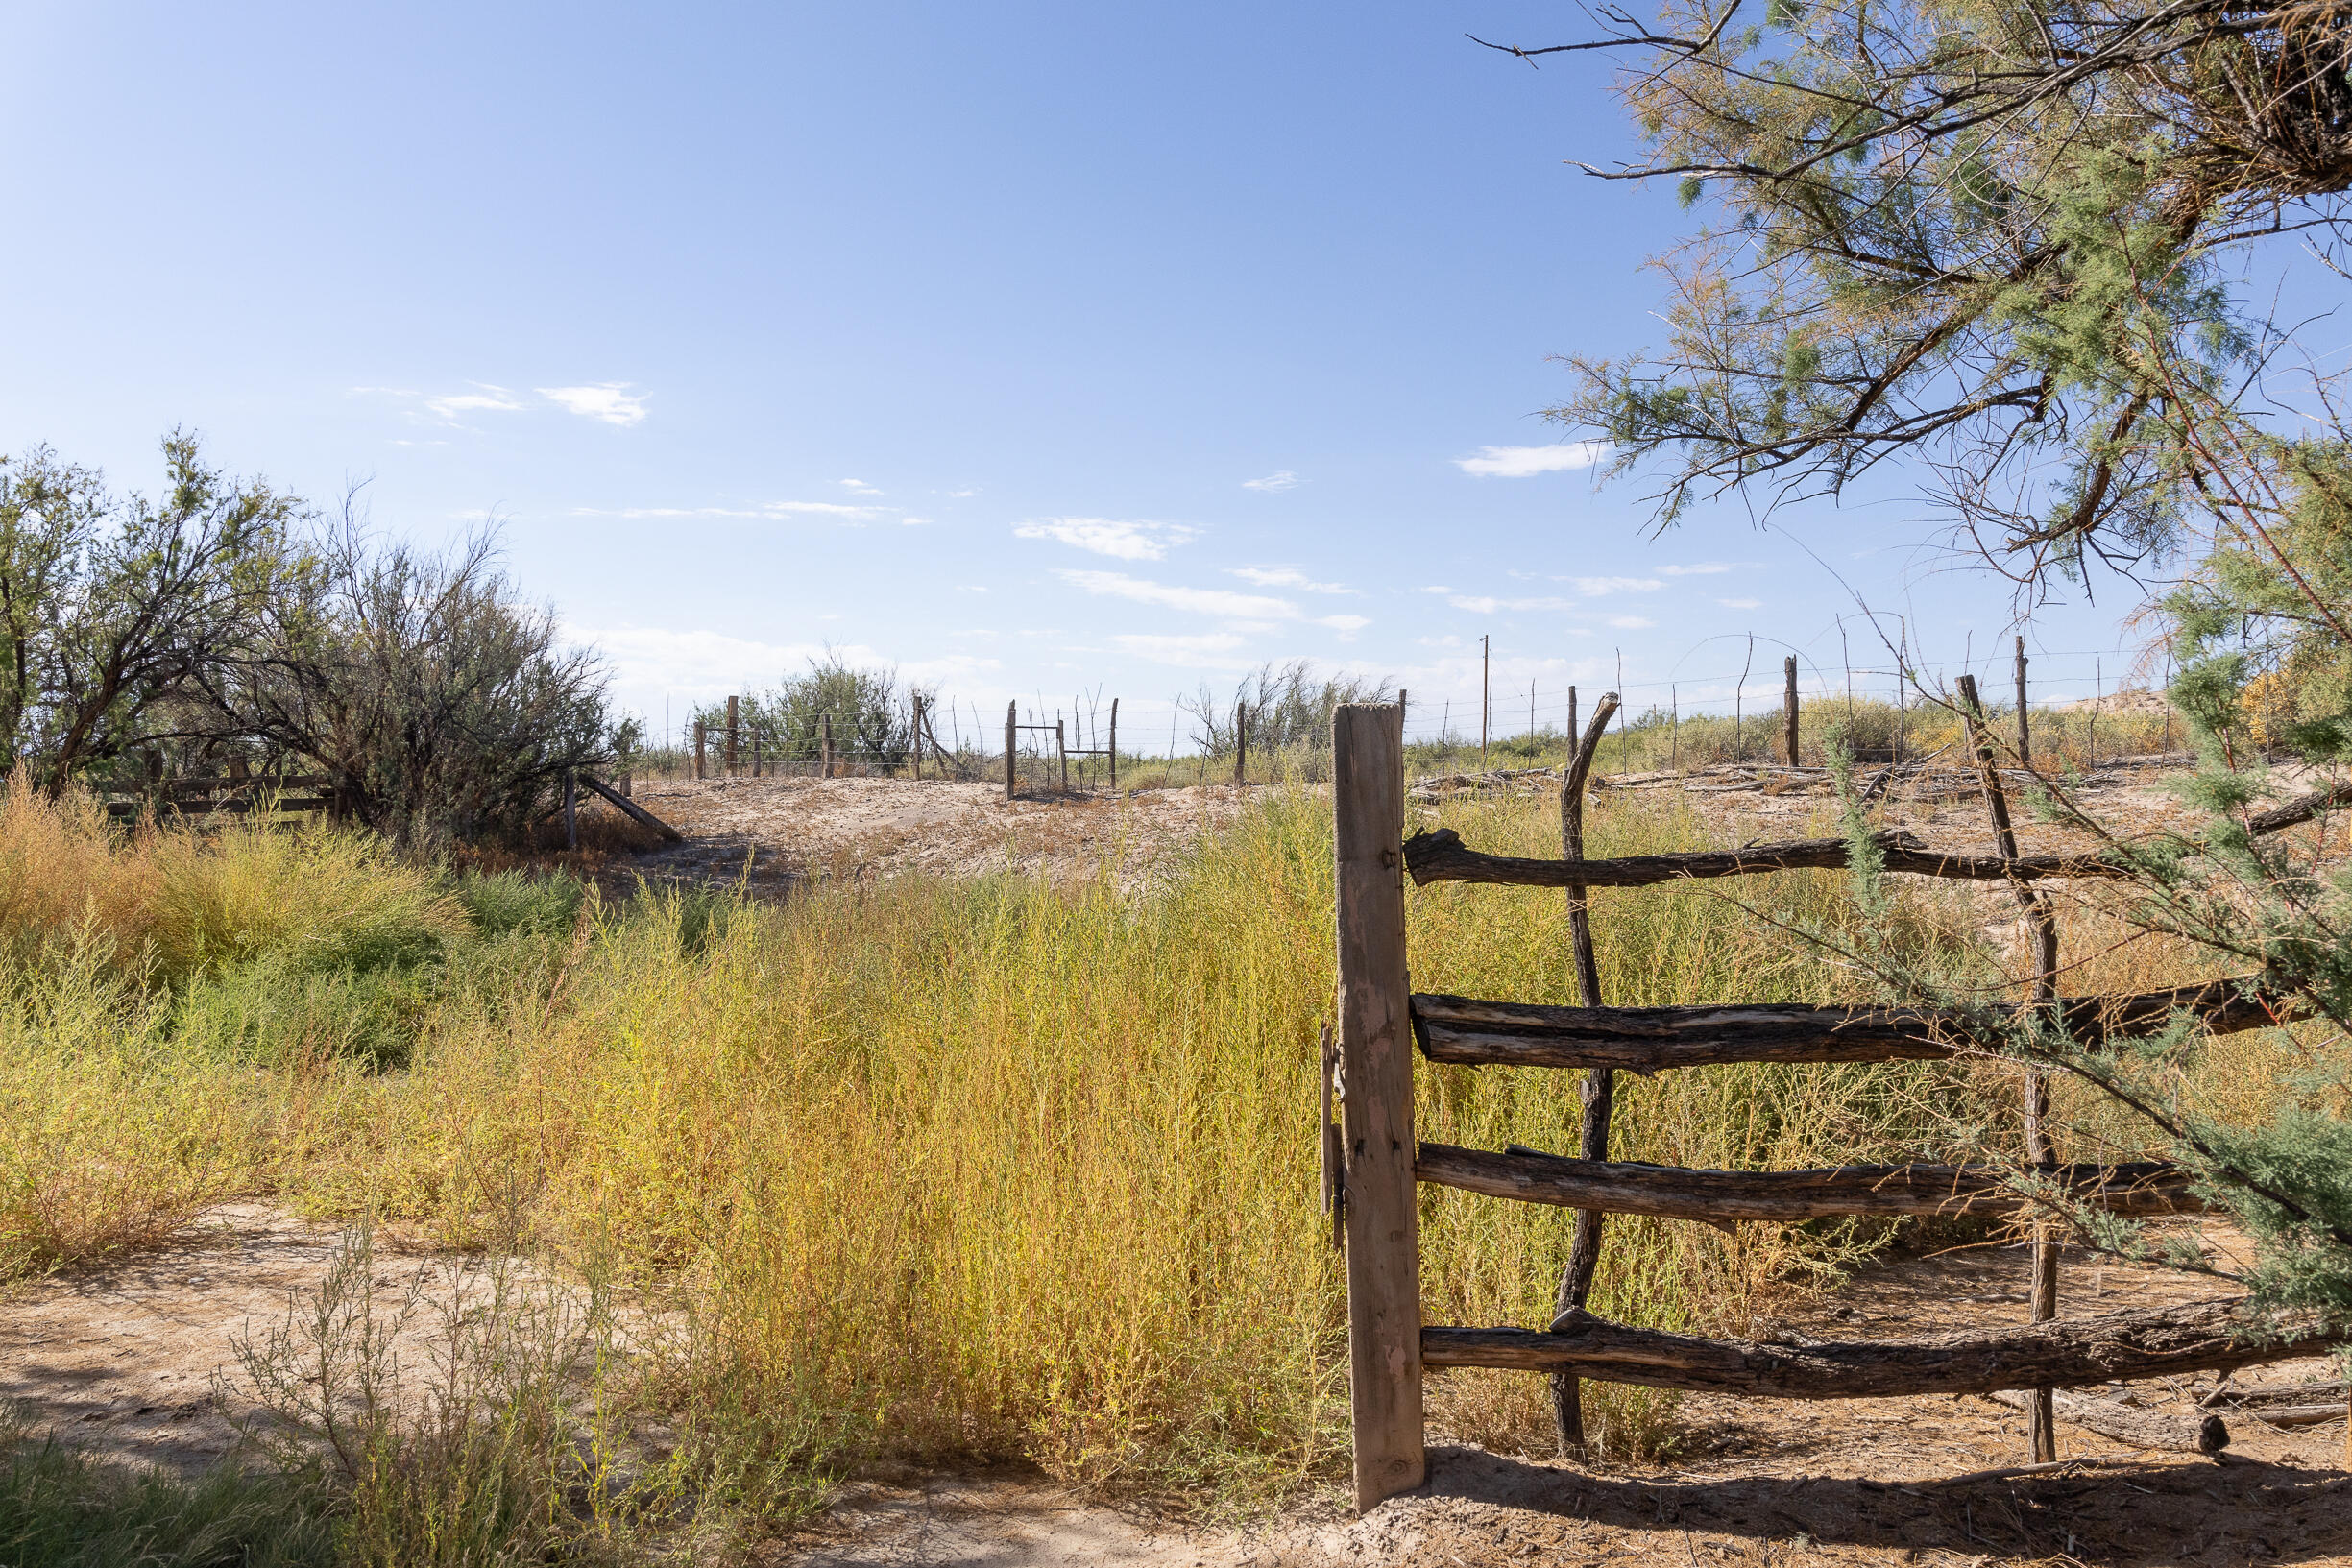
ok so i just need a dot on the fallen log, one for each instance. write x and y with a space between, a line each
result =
2127 1424
2297 1415
2278 1394
1471 1033
632 810
1675 1192
1440 857
2204 1336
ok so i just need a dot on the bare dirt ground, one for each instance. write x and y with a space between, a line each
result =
771 833
139 1358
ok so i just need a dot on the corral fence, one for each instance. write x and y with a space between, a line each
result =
1373 1162
234 794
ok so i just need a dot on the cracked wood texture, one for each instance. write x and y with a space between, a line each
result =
1383 1260
1471 1033
1674 1192
2205 1335
1440 857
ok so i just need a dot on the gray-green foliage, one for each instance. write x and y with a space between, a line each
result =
2001 245
440 705
108 602
871 716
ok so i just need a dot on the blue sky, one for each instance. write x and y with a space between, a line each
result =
1032 348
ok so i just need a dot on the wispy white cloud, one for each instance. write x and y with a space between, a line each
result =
1122 539
1200 602
1525 462
1210 650
1283 480
611 402
959 495
1630 623
1486 605
914 523
1594 587
1699 568
773 510
1741 604
1285 577
1345 625
857 485
487 399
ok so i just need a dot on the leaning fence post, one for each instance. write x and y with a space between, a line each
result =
1114 745
1012 708
2041 1416
1384 1313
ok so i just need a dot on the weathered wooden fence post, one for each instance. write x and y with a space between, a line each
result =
1789 704
697 748
1061 750
2024 733
734 752
1241 754
1011 711
917 736
1384 1310
2041 1414
572 807
828 747
1114 745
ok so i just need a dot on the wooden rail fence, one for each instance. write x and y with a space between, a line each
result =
1372 1160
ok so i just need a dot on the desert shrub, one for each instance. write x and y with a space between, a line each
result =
442 708
871 719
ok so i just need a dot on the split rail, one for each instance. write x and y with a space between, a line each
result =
1373 1163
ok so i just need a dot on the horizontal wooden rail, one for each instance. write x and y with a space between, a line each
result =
231 806
1675 1192
1440 857
1473 1033
2201 1337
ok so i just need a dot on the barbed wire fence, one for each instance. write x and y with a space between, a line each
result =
2084 704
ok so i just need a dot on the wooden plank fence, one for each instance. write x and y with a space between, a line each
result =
1372 1160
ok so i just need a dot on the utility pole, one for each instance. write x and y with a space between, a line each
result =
1485 697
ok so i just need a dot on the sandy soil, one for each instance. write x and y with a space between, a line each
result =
139 1358
769 832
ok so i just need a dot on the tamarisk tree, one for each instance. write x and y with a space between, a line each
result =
1993 251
